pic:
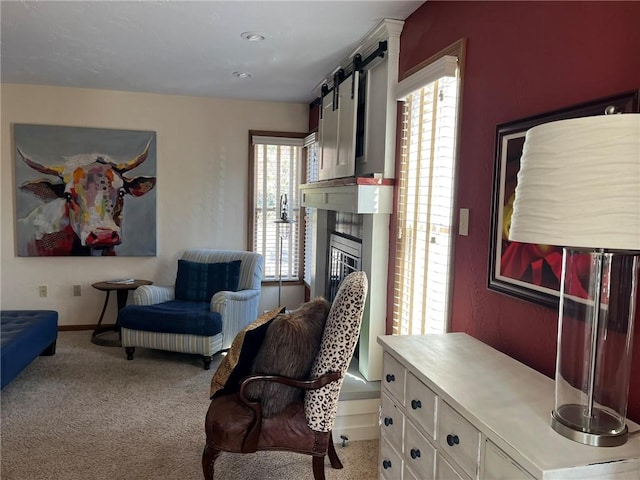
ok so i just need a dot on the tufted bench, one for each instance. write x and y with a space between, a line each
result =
25 334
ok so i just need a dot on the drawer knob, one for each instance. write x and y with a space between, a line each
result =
415 453
416 404
388 421
386 464
390 378
453 440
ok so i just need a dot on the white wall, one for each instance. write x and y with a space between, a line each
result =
202 166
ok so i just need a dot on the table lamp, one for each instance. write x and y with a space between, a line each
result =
579 188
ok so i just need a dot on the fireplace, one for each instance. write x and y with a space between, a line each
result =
353 215
344 257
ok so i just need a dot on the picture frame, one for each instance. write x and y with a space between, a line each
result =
525 271
84 191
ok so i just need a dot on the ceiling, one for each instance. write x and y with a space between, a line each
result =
186 48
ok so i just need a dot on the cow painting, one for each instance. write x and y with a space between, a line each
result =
83 203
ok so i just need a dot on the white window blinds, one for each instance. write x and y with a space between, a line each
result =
285 141
312 149
425 200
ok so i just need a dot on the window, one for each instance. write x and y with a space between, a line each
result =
425 199
274 178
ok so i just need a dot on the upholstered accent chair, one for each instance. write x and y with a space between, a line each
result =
235 423
215 296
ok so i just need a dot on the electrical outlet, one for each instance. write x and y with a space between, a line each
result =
77 290
43 290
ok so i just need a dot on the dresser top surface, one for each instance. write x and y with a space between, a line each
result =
506 400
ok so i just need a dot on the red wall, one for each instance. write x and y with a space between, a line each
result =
522 58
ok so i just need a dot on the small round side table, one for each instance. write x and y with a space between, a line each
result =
122 291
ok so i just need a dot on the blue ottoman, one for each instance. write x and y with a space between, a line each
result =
25 334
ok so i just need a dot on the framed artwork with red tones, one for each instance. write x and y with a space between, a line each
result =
526 271
84 191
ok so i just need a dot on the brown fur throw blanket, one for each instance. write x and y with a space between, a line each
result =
289 349
237 363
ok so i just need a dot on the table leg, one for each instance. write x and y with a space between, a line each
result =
104 309
121 297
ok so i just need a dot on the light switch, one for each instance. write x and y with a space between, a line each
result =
463 222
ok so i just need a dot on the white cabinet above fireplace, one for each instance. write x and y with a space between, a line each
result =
352 195
338 131
358 110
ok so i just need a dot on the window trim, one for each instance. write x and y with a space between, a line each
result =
445 66
272 135
456 49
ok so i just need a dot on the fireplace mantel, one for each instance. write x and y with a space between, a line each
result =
365 195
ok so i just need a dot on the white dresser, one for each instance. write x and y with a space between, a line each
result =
455 408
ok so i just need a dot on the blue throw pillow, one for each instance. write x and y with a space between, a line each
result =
198 282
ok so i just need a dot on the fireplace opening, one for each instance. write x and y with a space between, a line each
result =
345 257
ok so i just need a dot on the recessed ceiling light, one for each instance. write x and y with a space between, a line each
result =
252 36
241 74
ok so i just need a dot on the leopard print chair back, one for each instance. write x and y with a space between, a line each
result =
339 341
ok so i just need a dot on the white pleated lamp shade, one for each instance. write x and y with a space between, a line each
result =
579 184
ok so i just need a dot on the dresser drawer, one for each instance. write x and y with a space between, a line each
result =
419 454
458 438
497 465
390 462
409 475
393 377
392 419
420 404
444 470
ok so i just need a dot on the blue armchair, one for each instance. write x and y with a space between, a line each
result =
215 296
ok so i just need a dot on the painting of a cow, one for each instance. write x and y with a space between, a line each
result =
82 202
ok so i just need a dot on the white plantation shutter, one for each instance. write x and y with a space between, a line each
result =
425 204
312 149
276 171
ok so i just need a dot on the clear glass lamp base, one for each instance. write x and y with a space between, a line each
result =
601 430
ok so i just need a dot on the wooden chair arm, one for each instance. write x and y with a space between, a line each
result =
251 439
312 384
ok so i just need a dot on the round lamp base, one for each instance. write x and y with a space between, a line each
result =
603 429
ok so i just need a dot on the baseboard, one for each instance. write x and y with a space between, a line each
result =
357 420
70 328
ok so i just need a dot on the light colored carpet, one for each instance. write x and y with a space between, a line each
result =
88 413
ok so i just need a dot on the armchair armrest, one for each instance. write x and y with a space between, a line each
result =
220 299
250 442
152 294
237 309
312 384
